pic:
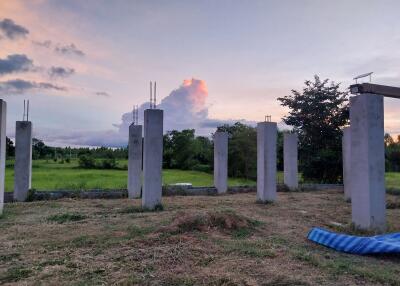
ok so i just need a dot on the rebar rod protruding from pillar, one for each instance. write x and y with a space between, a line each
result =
25 114
151 95
155 95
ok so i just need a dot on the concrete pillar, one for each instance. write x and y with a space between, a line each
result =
23 160
290 160
3 116
367 162
152 158
135 161
346 153
266 161
221 161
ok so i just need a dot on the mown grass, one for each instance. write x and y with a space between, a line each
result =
215 240
66 217
338 265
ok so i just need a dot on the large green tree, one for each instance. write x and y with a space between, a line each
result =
242 151
183 150
317 114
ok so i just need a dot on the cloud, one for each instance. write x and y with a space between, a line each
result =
15 63
11 30
102 93
45 44
60 72
20 86
82 138
184 108
70 49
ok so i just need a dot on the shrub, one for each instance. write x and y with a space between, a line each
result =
202 168
109 163
86 161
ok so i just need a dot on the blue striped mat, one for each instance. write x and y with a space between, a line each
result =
387 243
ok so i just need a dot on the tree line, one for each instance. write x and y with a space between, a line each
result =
317 114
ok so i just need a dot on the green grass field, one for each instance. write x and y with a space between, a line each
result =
50 175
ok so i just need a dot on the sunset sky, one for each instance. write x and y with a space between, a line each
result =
84 64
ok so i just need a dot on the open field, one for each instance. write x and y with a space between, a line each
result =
217 240
49 175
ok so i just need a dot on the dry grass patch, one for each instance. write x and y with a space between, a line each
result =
218 240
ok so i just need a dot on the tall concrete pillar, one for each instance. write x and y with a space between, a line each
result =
23 160
152 158
346 153
221 161
290 160
367 162
3 117
135 161
266 161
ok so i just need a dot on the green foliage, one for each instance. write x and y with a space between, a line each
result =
242 151
86 162
109 162
10 148
41 150
318 114
182 150
392 154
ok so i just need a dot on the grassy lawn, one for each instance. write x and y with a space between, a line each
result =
50 175
204 240
392 181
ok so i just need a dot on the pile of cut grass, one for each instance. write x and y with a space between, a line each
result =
225 221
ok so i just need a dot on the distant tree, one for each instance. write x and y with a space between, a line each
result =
204 154
86 161
317 114
39 149
392 154
279 151
10 149
242 151
388 139
180 149
109 161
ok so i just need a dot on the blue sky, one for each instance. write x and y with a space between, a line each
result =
243 55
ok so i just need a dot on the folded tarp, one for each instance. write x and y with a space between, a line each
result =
387 243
